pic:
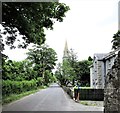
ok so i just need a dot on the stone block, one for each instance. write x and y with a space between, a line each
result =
112 88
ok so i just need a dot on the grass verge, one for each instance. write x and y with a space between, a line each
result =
87 103
92 103
13 97
84 103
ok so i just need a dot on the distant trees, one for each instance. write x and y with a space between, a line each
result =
71 70
39 60
24 74
43 58
67 71
83 72
59 75
18 70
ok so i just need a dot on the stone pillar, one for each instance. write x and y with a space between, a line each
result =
119 15
112 88
119 81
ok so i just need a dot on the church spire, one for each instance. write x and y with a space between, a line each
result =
66 53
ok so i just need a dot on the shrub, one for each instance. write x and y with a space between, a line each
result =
16 87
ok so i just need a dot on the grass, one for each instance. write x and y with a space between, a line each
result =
86 88
13 97
87 103
84 103
93 103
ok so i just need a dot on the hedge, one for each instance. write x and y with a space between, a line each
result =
16 87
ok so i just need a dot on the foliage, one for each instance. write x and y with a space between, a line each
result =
83 72
68 72
116 40
73 60
16 87
29 19
43 57
21 76
72 57
48 77
59 75
18 71
90 59
39 81
86 88
71 70
64 73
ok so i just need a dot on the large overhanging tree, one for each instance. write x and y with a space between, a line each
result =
29 19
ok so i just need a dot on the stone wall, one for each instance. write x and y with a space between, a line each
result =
99 75
86 94
112 88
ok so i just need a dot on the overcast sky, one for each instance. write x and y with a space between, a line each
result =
88 27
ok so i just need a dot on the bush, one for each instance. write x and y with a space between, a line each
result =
16 87
39 81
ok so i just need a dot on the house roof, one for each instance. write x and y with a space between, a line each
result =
105 56
111 54
99 56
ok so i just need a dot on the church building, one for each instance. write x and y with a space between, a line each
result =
66 51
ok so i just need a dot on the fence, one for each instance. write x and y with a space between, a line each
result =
87 94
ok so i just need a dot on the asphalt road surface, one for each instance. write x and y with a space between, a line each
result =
51 99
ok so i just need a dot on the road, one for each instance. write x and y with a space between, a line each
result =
51 99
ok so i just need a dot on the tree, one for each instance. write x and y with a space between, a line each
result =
58 73
72 57
14 70
116 41
49 77
43 57
73 60
63 73
90 58
71 70
29 19
83 72
66 70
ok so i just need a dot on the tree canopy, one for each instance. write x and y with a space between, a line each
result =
29 19
116 40
43 57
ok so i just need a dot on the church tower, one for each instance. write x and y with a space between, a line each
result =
66 51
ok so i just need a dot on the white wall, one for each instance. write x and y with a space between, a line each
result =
99 71
92 77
